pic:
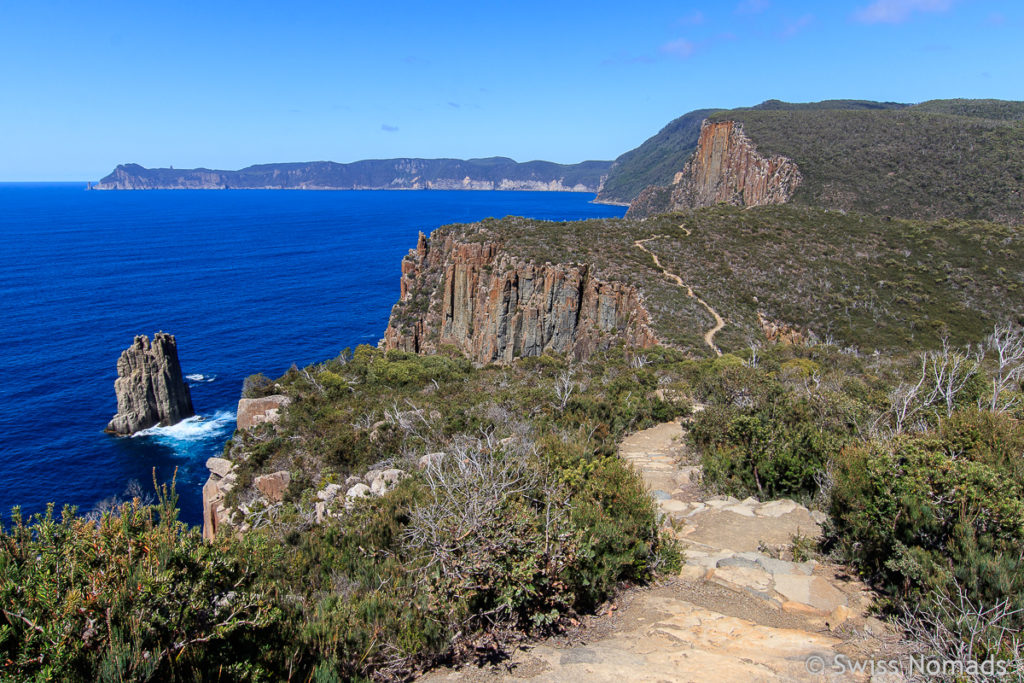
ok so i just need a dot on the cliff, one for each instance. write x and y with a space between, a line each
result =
725 168
149 386
495 173
495 307
929 161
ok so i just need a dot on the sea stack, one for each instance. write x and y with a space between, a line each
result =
149 386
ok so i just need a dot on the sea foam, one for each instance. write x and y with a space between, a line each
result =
193 429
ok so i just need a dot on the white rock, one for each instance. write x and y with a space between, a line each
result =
329 492
672 505
385 481
776 508
358 491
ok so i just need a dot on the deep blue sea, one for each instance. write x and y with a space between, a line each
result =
248 281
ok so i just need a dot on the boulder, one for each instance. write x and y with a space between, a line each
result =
274 485
358 491
150 388
219 466
257 411
329 492
385 480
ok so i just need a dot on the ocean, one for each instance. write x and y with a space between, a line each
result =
248 281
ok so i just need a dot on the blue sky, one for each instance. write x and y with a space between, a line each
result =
221 84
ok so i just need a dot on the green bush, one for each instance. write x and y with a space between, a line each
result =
134 596
915 514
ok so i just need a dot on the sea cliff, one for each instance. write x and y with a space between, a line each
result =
495 307
726 168
495 173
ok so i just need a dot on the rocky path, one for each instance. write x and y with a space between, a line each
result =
742 608
709 336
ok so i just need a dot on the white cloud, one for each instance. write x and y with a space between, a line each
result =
898 11
679 48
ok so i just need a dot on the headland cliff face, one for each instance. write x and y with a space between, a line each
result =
726 168
495 307
497 173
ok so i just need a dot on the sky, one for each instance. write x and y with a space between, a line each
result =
85 86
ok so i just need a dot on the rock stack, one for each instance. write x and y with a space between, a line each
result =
149 386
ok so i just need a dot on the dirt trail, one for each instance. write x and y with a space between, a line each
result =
741 609
709 336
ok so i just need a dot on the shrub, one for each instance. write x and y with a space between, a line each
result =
915 514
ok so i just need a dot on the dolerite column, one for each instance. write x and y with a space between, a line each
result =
149 386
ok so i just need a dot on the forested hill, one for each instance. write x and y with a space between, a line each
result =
493 173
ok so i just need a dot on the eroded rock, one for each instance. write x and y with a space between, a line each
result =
273 486
149 386
495 307
257 411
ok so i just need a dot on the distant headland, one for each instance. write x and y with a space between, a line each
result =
493 173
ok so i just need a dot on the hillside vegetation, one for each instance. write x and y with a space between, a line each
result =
911 163
859 280
660 157
654 162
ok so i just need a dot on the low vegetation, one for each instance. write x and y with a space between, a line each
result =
664 154
948 159
528 520
852 279
916 459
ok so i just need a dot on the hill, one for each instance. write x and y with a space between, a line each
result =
658 159
520 287
493 173
941 158
912 163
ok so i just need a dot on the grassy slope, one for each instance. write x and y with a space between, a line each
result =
867 281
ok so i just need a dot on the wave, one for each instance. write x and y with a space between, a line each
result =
196 377
193 429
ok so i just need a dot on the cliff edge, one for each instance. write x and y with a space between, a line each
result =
495 307
149 386
726 168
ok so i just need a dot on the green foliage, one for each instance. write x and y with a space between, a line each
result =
916 513
530 520
136 595
767 458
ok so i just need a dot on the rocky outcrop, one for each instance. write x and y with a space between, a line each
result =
495 307
149 386
222 479
782 333
726 168
257 411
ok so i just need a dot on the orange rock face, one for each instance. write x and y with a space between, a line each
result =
495 307
726 168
